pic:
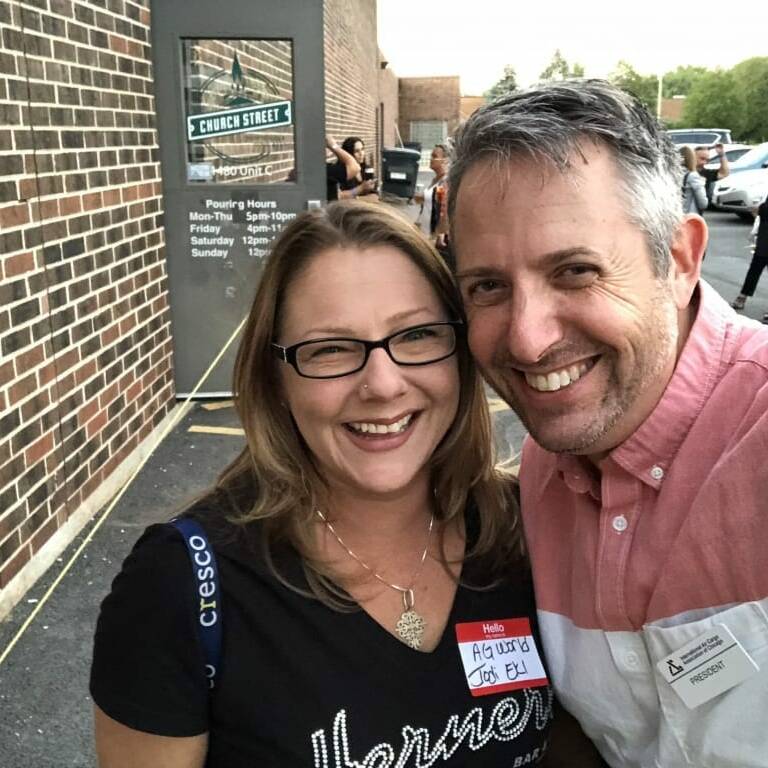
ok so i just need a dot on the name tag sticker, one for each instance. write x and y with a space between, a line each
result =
707 666
499 655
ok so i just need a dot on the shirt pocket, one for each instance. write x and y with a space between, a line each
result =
730 730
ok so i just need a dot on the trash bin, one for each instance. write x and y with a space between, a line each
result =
399 168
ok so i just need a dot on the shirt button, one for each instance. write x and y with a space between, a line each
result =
631 659
657 472
620 523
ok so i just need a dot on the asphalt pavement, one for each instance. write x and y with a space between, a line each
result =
45 709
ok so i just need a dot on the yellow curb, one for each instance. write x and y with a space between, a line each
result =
234 431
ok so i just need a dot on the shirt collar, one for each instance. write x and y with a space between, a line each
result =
648 453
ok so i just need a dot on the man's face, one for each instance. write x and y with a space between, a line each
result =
702 158
567 320
437 160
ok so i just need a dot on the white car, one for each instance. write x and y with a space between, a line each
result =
733 152
741 192
700 136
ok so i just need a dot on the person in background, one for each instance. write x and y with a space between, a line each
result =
759 259
360 534
643 484
694 187
429 214
363 183
711 175
344 169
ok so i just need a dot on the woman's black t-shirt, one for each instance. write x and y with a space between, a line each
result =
301 684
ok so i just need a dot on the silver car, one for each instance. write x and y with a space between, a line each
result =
737 192
741 192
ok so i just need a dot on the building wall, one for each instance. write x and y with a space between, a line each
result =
85 370
470 104
429 98
672 109
389 96
352 71
85 339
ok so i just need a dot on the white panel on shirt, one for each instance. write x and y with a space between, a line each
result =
609 682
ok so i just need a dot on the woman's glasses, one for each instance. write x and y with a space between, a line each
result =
334 357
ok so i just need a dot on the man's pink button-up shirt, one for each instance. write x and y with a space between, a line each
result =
670 537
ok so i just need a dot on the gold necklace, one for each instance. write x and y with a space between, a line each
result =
410 625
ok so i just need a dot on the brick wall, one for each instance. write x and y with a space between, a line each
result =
85 365
429 98
351 71
470 105
389 99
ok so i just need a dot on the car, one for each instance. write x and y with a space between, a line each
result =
700 136
756 157
741 192
733 152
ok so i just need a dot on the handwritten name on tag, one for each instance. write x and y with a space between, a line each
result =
707 666
499 655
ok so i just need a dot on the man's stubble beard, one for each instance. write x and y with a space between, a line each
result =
617 401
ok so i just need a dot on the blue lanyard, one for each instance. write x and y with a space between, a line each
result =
205 575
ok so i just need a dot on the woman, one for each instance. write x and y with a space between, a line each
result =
759 259
359 535
694 187
363 184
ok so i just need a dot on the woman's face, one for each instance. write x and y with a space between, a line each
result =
359 151
368 294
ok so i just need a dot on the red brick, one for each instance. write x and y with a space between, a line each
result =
22 388
38 449
18 264
70 205
14 215
87 412
92 201
44 533
111 334
108 395
130 193
46 374
96 424
6 373
111 197
119 44
31 357
13 566
126 324
84 372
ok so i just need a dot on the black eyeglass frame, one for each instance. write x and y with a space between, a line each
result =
288 354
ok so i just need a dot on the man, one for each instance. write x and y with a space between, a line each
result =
644 490
429 216
433 220
711 175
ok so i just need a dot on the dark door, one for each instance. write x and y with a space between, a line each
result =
239 90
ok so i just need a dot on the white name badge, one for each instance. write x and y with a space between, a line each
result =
707 666
499 655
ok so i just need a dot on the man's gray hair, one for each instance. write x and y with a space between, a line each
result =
548 122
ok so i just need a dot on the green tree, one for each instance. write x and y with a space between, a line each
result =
715 102
751 82
643 87
507 84
680 81
559 69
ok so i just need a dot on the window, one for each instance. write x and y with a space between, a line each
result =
239 108
428 133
